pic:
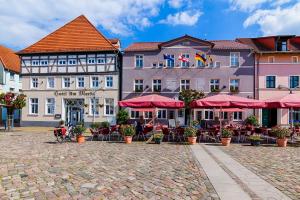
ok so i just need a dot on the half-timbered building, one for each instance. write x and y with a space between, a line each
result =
71 74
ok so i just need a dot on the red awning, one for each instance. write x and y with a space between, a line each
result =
151 101
143 109
227 101
287 101
230 110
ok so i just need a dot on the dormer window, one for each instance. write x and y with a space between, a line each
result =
282 45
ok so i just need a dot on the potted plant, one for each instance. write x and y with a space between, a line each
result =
226 136
158 136
251 122
281 134
79 130
191 134
255 140
128 131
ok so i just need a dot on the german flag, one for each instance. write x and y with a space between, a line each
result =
200 57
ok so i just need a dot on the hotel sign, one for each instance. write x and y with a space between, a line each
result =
74 93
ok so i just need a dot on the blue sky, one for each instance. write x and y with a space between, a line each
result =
150 20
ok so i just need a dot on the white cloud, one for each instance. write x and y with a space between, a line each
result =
24 22
251 5
188 18
276 21
176 3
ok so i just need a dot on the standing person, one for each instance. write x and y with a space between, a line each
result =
139 128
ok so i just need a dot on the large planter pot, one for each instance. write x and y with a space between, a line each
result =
282 142
225 141
192 140
128 139
255 142
80 139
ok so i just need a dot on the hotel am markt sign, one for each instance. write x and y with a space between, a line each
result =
74 93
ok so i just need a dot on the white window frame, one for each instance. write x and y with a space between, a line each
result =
63 82
91 61
44 62
214 84
106 81
32 84
163 112
72 61
186 55
169 61
48 85
290 81
113 107
233 85
49 104
77 81
135 60
97 109
209 111
35 63
157 84
185 84
238 59
146 114
101 59
140 84
92 82
30 106
239 118
134 114
62 60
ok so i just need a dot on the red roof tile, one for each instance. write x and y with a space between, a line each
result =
218 44
76 36
9 59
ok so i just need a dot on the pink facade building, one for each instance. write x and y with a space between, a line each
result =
277 71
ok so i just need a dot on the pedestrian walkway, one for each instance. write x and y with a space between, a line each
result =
230 179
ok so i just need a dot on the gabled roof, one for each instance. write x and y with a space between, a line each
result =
186 37
9 59
79 35
214 44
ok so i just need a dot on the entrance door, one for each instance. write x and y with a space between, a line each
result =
74 111
269 117
75 115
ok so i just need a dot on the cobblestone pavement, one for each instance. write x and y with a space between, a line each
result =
278 166
34 166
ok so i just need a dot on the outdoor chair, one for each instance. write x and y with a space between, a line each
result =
167 133
95 134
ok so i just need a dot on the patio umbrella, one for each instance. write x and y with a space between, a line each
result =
152 101
222 101
289 101
227 101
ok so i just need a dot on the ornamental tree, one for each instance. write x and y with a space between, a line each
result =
12 102
188 96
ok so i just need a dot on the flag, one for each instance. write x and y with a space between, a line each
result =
183 58
200 57
168 57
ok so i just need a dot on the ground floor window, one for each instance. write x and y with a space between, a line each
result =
148 115
109 106
134 114
181 113
50 106
198 115
94 106
237 116
224 115
162 114
295 117
208 115
33 105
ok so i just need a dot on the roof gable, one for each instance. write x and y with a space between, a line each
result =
186 40
76 36
9 59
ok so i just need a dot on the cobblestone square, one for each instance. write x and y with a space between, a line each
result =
34 166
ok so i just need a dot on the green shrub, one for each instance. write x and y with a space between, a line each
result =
122 116
281 132
95 125
128 130
105 125
226 133
190 132
252 120
79 129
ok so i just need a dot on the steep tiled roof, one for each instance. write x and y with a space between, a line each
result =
76 36
9 59
218 44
